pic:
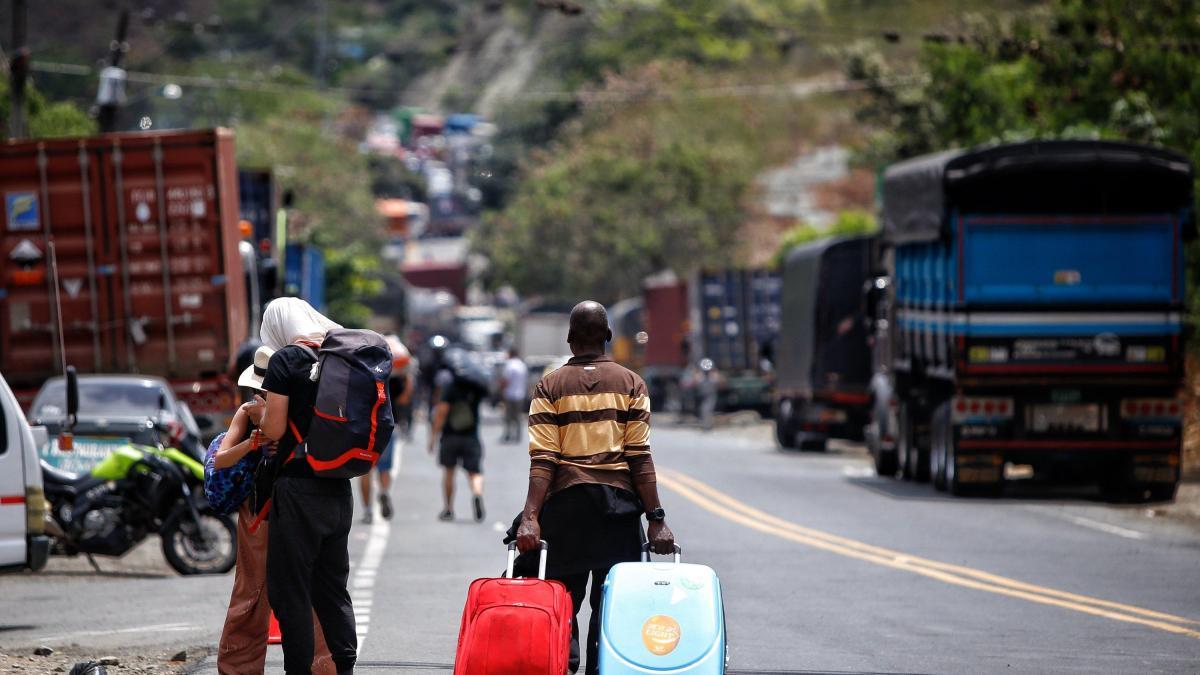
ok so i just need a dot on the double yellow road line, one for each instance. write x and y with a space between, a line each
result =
721 504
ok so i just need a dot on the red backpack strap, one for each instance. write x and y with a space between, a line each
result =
295 432
262 515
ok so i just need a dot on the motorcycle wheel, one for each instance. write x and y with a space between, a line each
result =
210 548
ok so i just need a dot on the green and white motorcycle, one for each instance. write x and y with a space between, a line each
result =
134 491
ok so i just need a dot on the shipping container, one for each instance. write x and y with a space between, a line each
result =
146 231
450 276
258 203
304 274
736 313
665 317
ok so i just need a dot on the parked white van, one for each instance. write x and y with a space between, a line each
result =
23 543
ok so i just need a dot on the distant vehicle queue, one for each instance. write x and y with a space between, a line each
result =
1018 316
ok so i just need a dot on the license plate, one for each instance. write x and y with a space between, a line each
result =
1059 417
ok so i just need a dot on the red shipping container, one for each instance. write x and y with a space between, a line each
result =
146 231
665 317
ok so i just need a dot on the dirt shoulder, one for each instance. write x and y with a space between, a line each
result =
127 662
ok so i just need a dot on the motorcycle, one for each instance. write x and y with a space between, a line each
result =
135 491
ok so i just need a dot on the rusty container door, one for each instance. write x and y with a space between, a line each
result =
665 316
172 214
49 192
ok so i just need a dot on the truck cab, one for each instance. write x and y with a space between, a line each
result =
23 542
1035 301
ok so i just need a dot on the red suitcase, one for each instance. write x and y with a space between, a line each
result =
515 626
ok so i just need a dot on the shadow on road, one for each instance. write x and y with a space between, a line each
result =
1014 492
421 666
115 574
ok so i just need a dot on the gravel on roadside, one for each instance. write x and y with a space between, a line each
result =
128 662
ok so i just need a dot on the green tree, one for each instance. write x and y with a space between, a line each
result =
847 224
333 201
1084 68
46 119
634 188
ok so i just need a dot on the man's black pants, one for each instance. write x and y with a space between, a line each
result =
308 565
577 585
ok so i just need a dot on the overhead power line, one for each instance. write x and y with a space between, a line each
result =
795 90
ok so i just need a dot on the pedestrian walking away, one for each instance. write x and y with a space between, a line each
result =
456 422
308 559
243 646
514 385
400 388
591 474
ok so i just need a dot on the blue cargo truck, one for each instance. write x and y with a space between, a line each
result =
1029 315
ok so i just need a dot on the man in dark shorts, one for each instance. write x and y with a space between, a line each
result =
456 419
591 476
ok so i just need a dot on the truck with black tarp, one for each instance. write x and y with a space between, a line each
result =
1033 315
822 359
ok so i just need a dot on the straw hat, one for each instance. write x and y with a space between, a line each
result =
252 377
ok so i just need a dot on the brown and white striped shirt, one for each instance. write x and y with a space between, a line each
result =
586 421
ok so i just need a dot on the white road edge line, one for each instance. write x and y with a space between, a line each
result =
1099 526
1106 527
363 584
159 628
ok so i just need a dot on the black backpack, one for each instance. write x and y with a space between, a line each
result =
352 418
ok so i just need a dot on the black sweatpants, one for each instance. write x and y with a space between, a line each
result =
308 565
577 585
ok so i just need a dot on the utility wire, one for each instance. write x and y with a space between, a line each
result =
795 90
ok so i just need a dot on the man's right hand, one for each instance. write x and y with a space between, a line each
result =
661 539
529 535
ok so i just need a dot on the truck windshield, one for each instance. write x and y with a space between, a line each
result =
102 398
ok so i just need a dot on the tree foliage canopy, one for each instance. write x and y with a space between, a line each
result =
847 224
630 190
1083 69
46 119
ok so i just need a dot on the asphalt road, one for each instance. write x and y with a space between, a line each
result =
825 568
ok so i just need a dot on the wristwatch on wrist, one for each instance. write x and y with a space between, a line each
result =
657 515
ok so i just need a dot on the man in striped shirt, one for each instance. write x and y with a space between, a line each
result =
591 475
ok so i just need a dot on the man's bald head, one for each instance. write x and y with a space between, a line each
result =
589 328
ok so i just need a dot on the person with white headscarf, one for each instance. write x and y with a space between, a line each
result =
308 559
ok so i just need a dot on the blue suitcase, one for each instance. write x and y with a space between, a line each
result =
662 617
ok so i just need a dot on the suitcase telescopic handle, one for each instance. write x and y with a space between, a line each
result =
512 558
646 553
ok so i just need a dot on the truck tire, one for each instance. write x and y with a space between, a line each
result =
785 433
904 443
886 462
914 459
940 437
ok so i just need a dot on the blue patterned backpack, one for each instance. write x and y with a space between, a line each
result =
226 489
